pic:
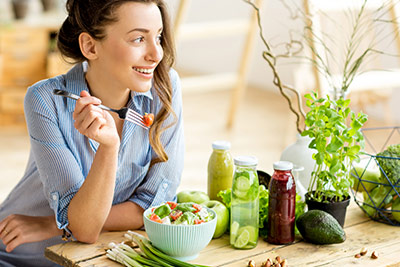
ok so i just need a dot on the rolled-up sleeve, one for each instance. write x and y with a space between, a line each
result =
163 178
58 168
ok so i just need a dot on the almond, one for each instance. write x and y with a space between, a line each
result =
252 263
363 251
374 255
268 263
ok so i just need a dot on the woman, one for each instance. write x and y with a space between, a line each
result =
88 170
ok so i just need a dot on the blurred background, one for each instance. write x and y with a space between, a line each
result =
236 100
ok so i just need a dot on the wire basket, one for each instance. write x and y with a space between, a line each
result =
376 196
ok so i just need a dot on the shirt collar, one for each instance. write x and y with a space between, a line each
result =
75 82
146 94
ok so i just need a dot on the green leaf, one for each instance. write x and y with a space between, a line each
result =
320 123
312 144
352 151
308 96
346 112
335 166
346 103
335 144
319 158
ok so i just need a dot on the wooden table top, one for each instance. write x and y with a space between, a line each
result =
360 231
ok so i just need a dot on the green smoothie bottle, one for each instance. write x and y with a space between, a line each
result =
245 206
220 169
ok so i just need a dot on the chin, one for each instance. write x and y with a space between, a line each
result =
141 88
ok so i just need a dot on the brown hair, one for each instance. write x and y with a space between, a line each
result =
91 16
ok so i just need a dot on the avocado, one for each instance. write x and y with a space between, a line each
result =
319 227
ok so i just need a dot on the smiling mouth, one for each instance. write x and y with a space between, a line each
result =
144 71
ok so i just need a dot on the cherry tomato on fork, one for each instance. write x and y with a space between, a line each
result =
148 119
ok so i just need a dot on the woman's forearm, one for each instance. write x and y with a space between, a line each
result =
124 216
90 207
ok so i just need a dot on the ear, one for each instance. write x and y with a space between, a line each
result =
88 46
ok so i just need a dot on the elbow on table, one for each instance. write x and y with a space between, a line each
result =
89 237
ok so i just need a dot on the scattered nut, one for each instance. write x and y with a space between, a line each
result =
284 263
277 265
374 255
363 251
268 263
278 259
252 263
358 255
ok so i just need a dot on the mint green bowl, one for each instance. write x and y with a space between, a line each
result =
183 242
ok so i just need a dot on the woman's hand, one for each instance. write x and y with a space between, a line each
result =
17 229
93 122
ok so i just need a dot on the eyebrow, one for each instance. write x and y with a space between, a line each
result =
143 30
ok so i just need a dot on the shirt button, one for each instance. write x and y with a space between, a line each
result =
54 197
165 185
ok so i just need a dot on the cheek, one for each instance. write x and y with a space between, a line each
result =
161 53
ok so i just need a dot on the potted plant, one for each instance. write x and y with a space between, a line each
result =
336 137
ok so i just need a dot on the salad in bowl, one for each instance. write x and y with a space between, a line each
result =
180 230
180 213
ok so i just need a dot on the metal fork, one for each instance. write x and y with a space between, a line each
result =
124 113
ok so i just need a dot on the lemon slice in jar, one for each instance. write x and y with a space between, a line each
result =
242 239
252 232
234 230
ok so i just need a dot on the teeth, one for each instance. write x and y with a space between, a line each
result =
146 71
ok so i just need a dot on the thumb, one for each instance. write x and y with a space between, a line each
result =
84 93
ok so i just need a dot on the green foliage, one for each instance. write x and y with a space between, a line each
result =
336 136
226 196
390 163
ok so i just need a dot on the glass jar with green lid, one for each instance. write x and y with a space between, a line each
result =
244 205
220 169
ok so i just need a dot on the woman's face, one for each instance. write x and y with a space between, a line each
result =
131 50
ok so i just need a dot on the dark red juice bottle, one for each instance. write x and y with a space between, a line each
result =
282 203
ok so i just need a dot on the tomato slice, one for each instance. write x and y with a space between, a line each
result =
155 218
176 214
197 207
148 119
197 221
172 205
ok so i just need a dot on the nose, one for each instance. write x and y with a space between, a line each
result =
154 52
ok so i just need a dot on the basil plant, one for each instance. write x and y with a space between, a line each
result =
335 131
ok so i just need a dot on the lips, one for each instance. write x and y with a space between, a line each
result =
144 70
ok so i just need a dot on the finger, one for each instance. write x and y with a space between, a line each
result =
84 93
85 100
87 117
95 127
14 243
3 228
9 236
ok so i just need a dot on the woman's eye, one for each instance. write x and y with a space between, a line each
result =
138 40
159 38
